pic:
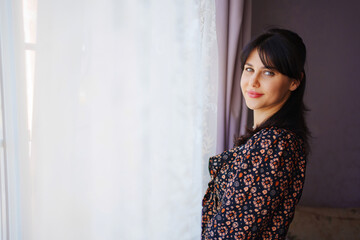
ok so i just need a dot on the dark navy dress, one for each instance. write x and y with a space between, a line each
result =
255 187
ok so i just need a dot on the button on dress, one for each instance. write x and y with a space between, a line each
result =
255 187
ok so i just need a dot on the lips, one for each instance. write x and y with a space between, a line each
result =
254 94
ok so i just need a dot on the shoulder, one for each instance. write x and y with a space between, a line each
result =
275 133
275 149
275 137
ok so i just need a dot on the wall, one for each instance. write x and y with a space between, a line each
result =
331 33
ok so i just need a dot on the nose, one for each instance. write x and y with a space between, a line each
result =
254 80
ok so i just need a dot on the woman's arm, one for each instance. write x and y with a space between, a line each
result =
263 179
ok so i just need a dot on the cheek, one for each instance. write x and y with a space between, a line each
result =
243 83
242 87
278 90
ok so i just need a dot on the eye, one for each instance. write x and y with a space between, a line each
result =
269 73
248 69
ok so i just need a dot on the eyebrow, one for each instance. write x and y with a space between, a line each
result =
264 67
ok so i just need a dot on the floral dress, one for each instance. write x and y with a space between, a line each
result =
255 187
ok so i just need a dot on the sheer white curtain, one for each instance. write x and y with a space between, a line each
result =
14 147
123 120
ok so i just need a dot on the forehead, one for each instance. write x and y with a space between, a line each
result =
254 59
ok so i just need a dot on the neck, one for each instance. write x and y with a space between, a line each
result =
262 116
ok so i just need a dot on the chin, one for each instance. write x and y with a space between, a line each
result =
250 106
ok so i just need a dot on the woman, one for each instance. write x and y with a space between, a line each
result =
255 186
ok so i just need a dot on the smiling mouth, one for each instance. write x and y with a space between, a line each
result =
254 94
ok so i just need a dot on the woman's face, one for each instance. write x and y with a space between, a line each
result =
265 90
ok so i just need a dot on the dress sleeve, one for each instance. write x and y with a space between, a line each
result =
263 177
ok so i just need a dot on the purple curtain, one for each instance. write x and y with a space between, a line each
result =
233 26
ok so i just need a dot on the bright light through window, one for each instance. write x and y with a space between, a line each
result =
30 13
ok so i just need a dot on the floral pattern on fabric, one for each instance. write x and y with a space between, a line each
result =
255 187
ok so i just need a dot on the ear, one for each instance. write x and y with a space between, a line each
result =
294 84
